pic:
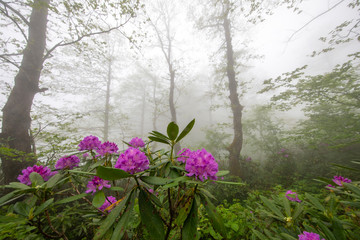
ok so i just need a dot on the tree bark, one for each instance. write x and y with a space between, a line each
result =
107 101
16 112
236 107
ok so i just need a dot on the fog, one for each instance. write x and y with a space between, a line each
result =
77 75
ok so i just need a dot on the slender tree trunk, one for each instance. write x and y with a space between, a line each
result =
16 112
155 113
143 113
236 107
107 102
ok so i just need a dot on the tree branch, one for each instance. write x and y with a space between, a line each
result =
6 5
9 61
16 23
313 19
62 44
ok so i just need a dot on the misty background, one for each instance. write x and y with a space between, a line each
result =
123 76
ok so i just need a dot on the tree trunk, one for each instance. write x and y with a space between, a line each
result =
16 112
236 145
107 101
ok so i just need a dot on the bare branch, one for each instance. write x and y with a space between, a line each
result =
16 23
62 44
9 61
6 5
313 19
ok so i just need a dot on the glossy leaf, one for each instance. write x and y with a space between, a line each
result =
272 207
36 178
159 135
99 199
111 218
215 218
71 199
22 209
108 173
150 218
222 173
172 131
53 180
120 228
17 185
231 183
186 130
156 139
189 229
43 206
315 202
155 180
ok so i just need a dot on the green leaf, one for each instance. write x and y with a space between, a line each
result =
17 185
272 207
315 202
186 130
259 234
36 178
124 220
287 236
231 183
156 139
111 218
53 180
150 218
222 173
352 188
108 173
71 199
215 218
287 206
116 189
189 230
99 199
22 209
43 206
81 172
155 180
172 131
159 135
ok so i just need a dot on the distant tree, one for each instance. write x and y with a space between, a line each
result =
164 29
40 18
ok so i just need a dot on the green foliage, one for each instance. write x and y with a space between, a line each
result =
158 203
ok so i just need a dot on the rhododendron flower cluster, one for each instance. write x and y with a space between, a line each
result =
67 162
309 236
107 203
132 161
339 180
90 143
97 184
183 155
292 196
107 148
202 165
137 142
45 173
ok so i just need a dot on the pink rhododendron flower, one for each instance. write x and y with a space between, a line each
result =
132 161
248 159
183 155
309 236
45 173
97 184
90 143
107 148
292 196
339 180
107 203
137 142
202 165
67 162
